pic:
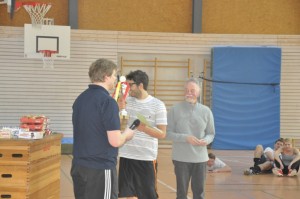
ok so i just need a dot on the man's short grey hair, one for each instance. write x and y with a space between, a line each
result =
192 80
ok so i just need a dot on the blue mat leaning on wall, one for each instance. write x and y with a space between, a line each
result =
246 96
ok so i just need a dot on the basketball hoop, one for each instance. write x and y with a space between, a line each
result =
48 21
47 58
36 11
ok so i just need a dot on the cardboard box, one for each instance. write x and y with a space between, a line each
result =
5 134
31 134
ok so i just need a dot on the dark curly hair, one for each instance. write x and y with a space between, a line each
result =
139 77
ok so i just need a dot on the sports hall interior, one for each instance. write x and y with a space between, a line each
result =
171 40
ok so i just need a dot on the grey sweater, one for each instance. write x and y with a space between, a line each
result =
186 119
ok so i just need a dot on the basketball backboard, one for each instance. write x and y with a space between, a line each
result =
53 38
12 6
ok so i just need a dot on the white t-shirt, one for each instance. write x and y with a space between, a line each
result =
268 149
142 146
218 165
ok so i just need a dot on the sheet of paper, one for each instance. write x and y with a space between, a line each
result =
142 119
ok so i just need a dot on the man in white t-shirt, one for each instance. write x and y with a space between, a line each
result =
263 159
138 166
215 165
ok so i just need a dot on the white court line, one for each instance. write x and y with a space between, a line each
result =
230 159
169 187
222 157
236 161
229 156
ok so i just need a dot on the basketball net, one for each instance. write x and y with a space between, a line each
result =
36 11
47 58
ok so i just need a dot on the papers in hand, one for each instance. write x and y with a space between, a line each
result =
142 119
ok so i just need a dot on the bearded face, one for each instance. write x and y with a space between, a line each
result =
192 92
135 93
134 89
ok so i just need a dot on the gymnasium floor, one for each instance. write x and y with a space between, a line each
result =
232 185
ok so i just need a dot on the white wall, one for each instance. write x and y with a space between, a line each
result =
27 88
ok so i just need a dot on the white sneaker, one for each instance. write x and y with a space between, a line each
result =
248 172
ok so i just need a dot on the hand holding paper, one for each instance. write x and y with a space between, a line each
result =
142 119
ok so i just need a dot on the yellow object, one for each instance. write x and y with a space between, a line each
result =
117 91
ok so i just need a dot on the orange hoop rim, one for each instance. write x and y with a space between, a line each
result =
18 5
47 53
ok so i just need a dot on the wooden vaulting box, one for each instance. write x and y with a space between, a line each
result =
30 169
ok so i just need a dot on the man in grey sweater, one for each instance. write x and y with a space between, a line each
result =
191 128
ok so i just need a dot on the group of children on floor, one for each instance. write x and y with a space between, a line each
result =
282 160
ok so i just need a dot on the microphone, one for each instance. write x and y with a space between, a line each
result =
135 124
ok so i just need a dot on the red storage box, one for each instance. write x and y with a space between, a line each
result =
33 119
33 127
